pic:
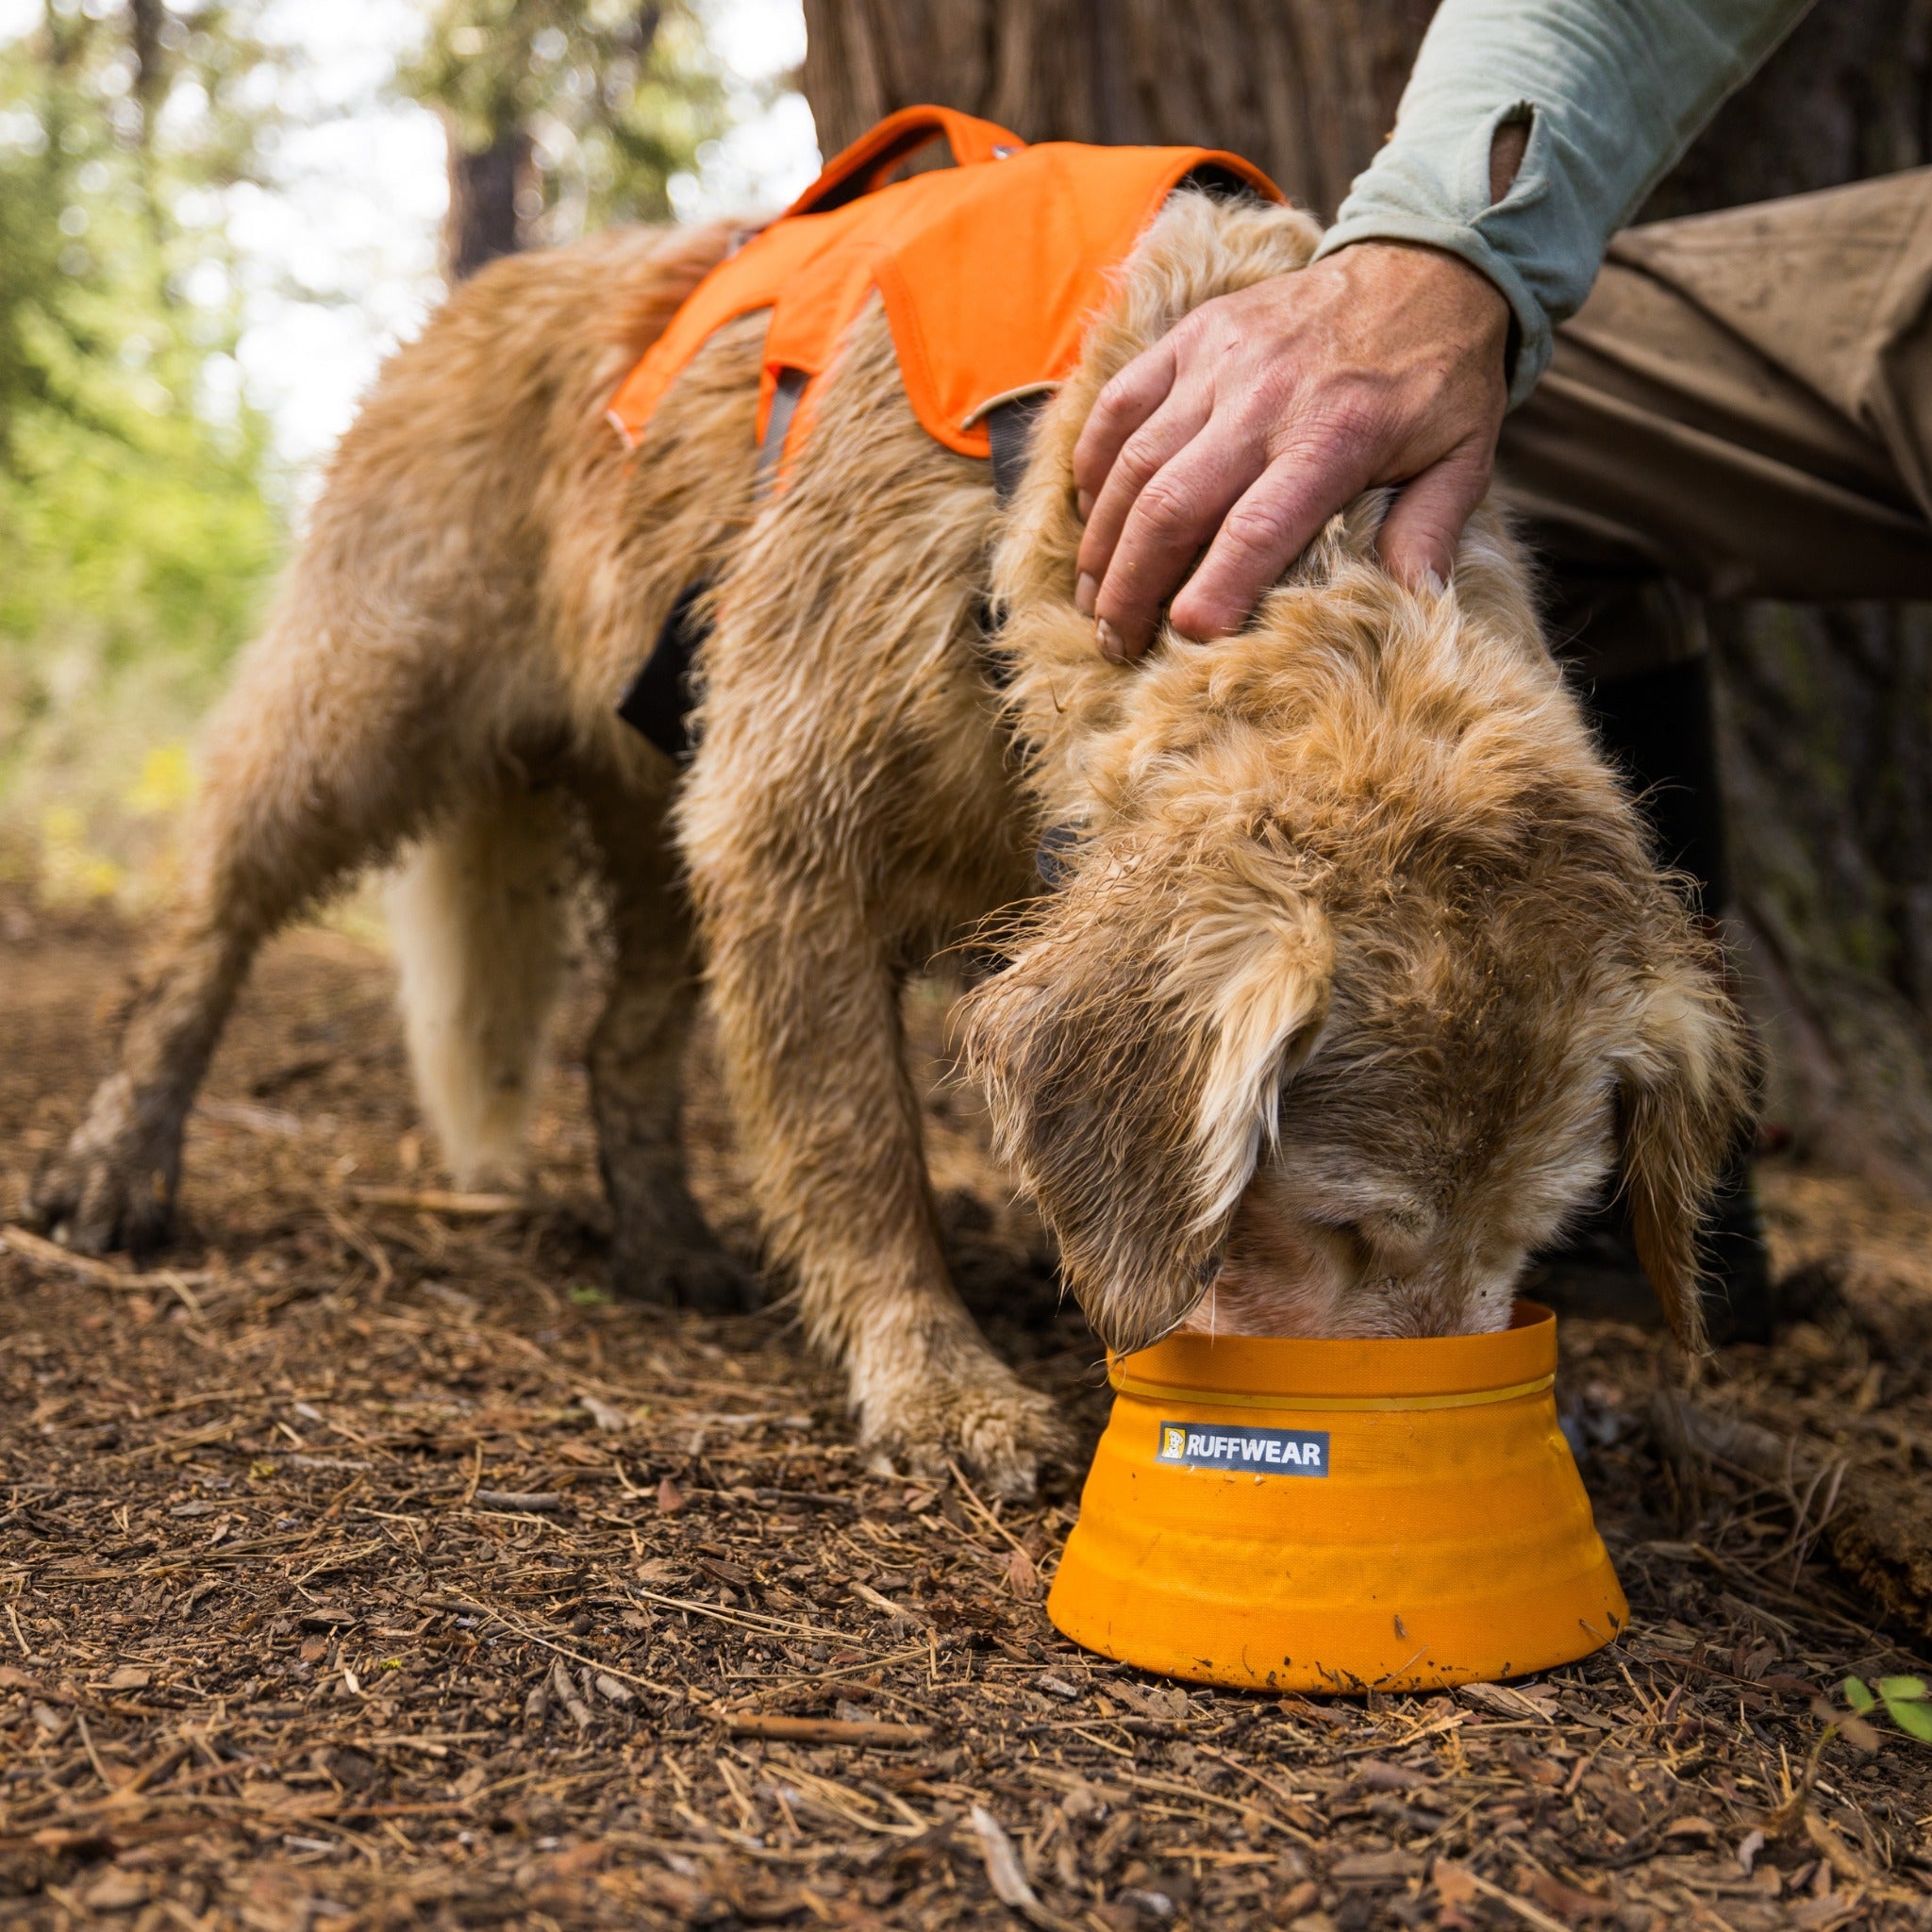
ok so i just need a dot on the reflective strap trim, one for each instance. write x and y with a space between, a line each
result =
1042 389
1169 1396
784 398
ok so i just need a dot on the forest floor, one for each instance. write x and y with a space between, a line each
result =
364 1564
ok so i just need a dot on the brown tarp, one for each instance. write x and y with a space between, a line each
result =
1744 405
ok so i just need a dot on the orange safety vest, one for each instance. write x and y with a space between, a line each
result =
990 271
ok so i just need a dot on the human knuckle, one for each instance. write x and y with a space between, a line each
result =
1169 504
1349 414
1140 459
1126 391
1259 527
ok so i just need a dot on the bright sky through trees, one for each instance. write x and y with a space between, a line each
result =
216 217
338 256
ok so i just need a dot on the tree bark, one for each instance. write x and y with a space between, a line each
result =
1824 714
485 184
1306 89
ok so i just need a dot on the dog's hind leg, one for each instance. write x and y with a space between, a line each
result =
477 913
661 1248
319 759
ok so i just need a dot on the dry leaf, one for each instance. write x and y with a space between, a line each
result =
1505 1700
116 1891
1702 1829
606 1415
1376 1866
1566 1901
1003 1871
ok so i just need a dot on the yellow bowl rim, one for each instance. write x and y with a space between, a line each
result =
1261 1368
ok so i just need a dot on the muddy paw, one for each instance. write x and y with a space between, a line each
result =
112 1186
684 1274
996 1429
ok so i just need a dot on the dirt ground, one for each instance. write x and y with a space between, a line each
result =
365 1563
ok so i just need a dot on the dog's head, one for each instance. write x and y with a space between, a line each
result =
1360 983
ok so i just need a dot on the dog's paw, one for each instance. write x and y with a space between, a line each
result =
111 1188
984 1417
697 1274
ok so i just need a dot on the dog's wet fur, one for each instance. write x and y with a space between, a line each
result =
1362 978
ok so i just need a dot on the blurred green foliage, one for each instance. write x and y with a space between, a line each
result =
613 96
141 523
136 537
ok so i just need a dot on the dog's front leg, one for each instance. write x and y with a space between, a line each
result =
850 800
806 1003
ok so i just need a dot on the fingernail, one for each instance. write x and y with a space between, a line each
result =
1083 505
1086 594
1434 585
1111 646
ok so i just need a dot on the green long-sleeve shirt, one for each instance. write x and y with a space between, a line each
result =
1614 92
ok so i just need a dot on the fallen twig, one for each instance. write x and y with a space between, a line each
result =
826 1730
441 1200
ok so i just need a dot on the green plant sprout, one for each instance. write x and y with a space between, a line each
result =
1904 1700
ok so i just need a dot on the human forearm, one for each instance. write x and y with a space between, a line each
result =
1613 91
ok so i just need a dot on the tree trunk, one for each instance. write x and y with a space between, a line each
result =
1823 713
485 184
1306 89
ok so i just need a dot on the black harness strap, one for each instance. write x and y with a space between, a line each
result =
658 701
1010 429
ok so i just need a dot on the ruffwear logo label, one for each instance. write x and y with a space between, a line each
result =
1266 1452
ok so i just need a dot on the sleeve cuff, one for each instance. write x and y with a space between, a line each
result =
1533 338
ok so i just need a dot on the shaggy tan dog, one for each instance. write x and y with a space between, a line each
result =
1362 980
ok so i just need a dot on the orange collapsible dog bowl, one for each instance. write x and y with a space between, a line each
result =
1338 1516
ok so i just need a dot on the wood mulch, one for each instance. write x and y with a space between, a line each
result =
365 1563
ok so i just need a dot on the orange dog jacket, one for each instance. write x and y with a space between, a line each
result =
990 271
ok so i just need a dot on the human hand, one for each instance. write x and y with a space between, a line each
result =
1264 412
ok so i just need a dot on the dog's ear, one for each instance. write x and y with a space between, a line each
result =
1682 1105
1133 1054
